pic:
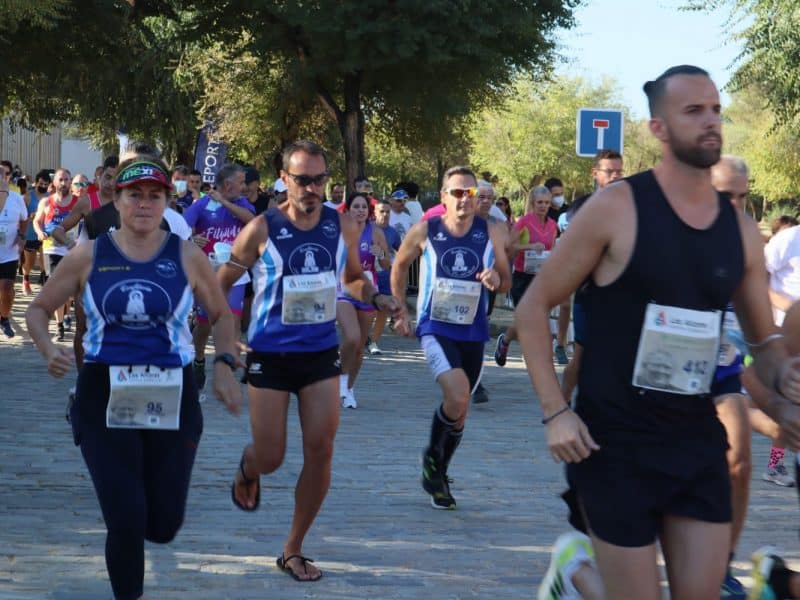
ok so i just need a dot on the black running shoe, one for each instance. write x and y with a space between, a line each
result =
60 335
480 395
437 484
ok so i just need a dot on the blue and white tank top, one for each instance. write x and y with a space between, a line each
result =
452 302
294 282
137 312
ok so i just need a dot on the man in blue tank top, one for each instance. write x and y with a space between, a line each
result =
297 253
463 256
665 254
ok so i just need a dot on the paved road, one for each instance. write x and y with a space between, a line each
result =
376 537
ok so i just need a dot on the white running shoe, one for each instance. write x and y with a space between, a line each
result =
779 476
373 349
570 551
349 400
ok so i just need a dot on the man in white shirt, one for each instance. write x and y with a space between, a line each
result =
399 219
413 205
782 255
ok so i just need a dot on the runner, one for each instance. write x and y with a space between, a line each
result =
33 246
216 219
461 255
382 211
532 238
355 317
666 254
50 212
297 253
13 222
138 441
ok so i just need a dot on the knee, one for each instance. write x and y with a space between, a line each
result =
265 464
164 532
741 469
319 450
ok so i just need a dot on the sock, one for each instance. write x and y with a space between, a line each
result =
775 457
26 278
451 442
779 581
343 384
441 427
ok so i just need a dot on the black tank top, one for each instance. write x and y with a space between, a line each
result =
672 264
106 218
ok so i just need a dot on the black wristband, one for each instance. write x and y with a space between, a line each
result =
373 298
546 420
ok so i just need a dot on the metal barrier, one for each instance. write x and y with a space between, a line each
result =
413 276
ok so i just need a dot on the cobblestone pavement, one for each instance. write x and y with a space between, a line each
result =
376 536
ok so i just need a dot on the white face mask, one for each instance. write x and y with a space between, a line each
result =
558 201
180 187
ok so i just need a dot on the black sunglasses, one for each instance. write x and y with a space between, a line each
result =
306 180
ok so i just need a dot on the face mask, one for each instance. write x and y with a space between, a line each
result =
213 205
558 201
180 187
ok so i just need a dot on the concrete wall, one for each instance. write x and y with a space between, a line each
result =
78 157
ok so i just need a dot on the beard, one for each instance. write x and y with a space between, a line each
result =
695 155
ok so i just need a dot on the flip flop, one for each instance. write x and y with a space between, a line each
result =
246 482
283 565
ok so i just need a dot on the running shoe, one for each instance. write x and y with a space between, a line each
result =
199 370
765 560
67 323
480 395
436 482
779 476
5 325
373 349
42 277
501 350
561 355
732 588
349 400
570 551
26 287
60 334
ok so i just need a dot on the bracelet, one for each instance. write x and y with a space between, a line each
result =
765 341
546 420
372 300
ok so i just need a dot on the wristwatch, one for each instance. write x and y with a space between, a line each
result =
226 358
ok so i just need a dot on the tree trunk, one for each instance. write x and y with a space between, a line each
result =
351 127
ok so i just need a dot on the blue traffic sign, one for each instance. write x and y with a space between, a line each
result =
598 129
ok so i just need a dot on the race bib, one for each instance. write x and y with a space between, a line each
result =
729 342
455 300
534 260
678 350
144 397
309 299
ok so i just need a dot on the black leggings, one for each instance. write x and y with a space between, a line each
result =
141 477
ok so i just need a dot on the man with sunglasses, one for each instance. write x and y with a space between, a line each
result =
462 257
298 252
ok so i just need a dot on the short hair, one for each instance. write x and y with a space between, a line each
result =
111 162
411 188
734 163
43 174
226 172
181 169
457 170
66 170
9 164
782 222
656 89
302 146
137 147
333 185
606 155
383 201
195 172
361 178
483 183
353 195
551 183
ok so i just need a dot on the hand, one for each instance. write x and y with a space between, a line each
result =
402 322
489 278
538 247
568 438
42 236
59 360
788 419
376 251
226 388
388 304
789 379
199 241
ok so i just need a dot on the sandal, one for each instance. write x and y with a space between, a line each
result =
283 565
246 482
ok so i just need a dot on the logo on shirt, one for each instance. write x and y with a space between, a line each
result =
460 262
661 318
363 246
310 258
166 268
479 236
284 234
136 304
439 237
255 368
329 229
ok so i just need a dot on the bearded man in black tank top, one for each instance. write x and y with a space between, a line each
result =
664 254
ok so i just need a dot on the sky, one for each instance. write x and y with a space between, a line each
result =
634 41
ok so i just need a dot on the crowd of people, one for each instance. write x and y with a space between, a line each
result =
683 322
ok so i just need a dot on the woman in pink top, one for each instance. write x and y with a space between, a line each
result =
532 238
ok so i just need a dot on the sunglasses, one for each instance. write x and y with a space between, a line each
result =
461 192
80 184
306 180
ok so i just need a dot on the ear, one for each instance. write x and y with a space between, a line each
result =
658 128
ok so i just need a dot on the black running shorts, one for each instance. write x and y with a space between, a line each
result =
519 283
291 371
